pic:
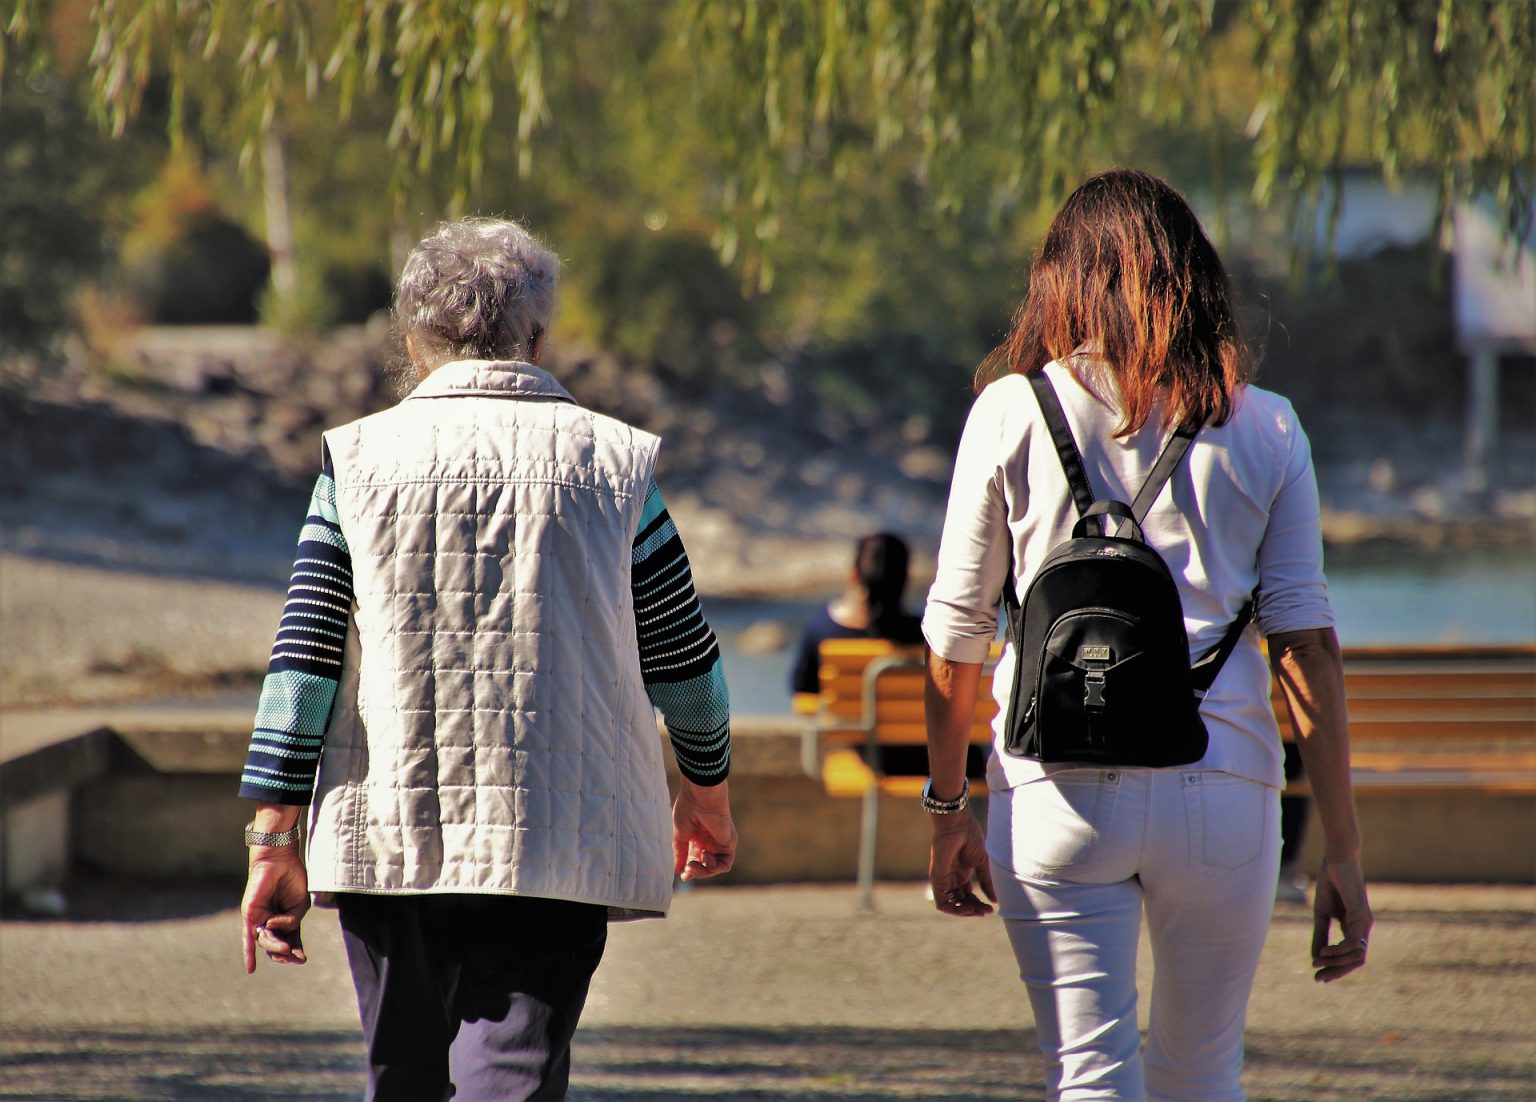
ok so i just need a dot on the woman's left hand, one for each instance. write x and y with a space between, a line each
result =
1340 898
703 834
959 856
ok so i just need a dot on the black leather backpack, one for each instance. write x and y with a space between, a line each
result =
1102 671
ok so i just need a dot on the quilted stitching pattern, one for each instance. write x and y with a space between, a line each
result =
503 740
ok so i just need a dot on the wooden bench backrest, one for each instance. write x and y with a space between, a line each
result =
899 698
1466 694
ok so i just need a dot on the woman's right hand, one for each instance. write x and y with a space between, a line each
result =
276 898
1340 898
959 855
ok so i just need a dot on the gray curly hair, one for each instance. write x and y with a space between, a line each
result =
476 288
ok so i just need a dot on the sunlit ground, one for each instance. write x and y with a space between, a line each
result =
762 994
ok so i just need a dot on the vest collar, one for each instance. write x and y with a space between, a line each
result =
490 379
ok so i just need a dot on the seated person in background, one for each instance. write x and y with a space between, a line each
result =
869 608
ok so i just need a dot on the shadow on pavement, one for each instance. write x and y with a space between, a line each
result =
97 897
211 1066
830 1063
833 1064
736 1064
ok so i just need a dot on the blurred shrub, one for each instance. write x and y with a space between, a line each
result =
662 298
357 292
306 309
888 382
185 261
107 320
50 206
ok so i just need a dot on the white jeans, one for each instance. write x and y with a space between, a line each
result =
1075 857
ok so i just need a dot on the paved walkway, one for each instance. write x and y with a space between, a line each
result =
757 993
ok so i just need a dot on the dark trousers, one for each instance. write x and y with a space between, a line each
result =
1293 810
469 997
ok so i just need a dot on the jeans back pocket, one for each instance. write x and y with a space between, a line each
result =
1057 824
1227 819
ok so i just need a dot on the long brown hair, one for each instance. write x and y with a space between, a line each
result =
1127 271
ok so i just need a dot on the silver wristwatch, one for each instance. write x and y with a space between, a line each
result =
289 837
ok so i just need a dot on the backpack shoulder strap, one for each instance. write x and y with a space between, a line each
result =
1011 609
1203 673
1061 436
1162 470
1072 459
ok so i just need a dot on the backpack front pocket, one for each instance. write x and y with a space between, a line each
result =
1092 671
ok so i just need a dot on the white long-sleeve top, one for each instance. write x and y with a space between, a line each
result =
1239 515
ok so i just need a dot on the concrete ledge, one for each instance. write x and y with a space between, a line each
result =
1441 837
37 769
185 747
153 794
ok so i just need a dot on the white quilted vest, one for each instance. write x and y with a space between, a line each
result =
491 732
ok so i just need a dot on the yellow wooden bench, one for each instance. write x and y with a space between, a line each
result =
1422 719
871 698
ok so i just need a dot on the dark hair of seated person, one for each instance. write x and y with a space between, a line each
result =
870 608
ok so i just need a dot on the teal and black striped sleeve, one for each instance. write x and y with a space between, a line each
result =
679 656
305 667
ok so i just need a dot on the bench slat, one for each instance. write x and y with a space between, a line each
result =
1495 759
1409 727
1517 683
1471 707
897 734
901 711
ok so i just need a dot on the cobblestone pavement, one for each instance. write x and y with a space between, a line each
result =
757 994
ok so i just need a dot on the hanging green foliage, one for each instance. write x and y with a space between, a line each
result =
1031 91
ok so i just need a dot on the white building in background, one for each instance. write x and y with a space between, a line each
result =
1493 297
1374 216
1495 305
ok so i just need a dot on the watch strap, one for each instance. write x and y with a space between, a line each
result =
289 837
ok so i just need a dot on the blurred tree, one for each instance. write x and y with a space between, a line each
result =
1442 87
51 233
876 171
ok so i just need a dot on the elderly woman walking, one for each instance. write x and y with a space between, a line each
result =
1126 335
489 597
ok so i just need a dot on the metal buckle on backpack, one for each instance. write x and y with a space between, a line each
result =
1093 682
1095 660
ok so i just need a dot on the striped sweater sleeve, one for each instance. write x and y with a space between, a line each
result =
679 656
305 667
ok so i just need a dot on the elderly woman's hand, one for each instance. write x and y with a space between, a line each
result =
959 856
703 834
276 897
